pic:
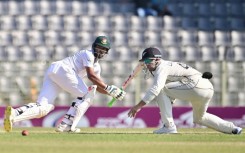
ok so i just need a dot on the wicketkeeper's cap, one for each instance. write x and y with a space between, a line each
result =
151 52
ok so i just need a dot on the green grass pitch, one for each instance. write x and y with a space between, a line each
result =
109 140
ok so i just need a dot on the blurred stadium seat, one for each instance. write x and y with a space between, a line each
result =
119 23
119 38
71 23
221 23
28 53
135 38
9 68
170 38
60 52
102 23
205 34
68 38
137 23
209 53
86 23
153 23
125 53
63 99
188 37
2 54
188 9
5 38
192 53
35 37
220 9
204 9
222 38
63 7
237 37
39 22
14 7
205 38
31 7
23 22
188 23
152 38
175 53
78 7
93 8
7 22
43 53
47 7
55 22
169 23
19 38
15 98
13 53
85 38
204 24
52 37
239 53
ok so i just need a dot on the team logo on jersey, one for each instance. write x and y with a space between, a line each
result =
104 41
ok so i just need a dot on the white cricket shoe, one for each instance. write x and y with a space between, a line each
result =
8 118
166 130
237 130
63 127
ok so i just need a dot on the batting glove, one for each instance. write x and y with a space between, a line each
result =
115 92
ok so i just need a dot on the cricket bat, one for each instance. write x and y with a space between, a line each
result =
136 70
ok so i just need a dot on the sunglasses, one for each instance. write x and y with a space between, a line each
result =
148 61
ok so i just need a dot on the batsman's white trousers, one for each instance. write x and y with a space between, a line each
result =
60 76
199 92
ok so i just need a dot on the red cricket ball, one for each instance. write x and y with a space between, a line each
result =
25 133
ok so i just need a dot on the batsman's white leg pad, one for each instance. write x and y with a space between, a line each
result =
216 123
36 111
9 115
81 106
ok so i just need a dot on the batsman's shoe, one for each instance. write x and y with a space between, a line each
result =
8 118
237 130
166 130
63 127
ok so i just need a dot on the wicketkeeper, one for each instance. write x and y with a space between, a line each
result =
174 80
68 74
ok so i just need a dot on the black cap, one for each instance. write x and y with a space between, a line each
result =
151 53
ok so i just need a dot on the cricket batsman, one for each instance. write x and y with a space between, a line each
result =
68 74
175 80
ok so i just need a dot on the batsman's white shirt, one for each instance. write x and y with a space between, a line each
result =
67 74
178 78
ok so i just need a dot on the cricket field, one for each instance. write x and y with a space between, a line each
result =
120 140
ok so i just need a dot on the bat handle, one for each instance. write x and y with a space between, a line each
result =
111 102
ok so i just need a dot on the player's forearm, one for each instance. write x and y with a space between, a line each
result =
97 81
141 104
102 91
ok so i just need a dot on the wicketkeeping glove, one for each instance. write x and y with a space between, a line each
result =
115 92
